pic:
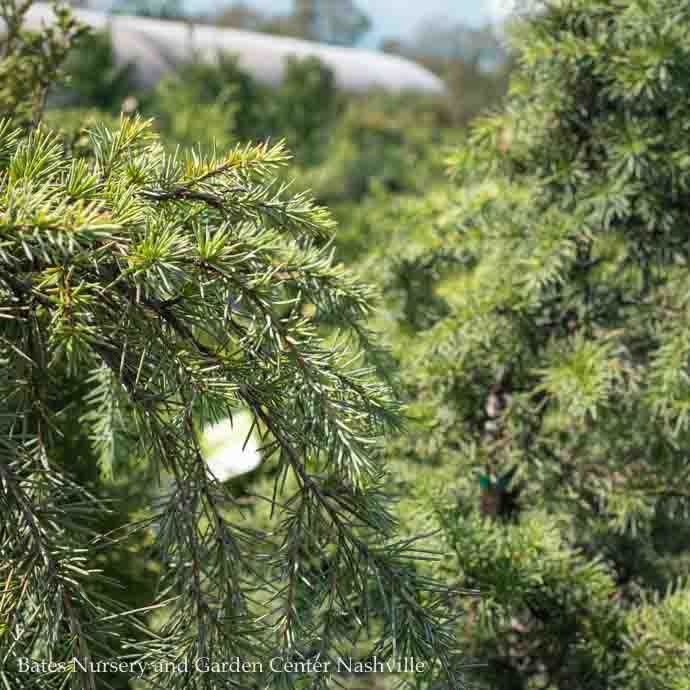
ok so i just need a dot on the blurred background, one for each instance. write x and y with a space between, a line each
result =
370 95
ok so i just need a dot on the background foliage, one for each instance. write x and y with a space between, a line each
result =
538 326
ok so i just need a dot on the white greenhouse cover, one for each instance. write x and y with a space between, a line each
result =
156 47
230 448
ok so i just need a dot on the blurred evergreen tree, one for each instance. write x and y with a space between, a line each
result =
305 107
474 64
31 61
205 105
547 329
240 15
94 80
341 22
158 9
329 21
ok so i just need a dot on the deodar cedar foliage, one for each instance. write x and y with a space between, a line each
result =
144 295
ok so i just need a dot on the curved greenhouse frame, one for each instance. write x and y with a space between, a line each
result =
156 47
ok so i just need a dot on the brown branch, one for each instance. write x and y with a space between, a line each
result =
184 194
